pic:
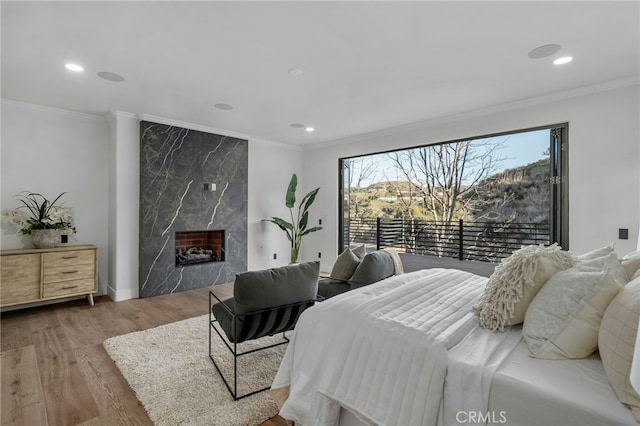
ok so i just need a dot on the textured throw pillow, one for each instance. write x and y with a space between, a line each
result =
345 265
360 251
516 281
616 342
631 263
564 318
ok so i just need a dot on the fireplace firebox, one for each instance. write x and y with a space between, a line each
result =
195 247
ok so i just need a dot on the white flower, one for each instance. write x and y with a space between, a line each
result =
37 212
14 218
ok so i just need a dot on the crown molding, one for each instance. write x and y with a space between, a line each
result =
54 110
521 104
208 129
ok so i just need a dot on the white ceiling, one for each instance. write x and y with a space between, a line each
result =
366 65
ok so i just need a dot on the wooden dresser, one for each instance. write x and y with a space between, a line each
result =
36 275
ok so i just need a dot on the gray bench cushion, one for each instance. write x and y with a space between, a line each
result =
328 287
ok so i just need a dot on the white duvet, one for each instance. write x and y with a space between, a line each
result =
380 351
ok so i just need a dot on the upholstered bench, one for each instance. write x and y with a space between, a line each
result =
349 272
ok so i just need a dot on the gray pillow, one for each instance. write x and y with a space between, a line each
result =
360 251
375 267
345 265
256 290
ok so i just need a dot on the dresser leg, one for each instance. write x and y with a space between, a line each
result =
90 298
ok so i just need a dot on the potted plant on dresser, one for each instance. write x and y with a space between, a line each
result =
44 220
47 272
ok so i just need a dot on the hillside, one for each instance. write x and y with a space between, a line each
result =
520 194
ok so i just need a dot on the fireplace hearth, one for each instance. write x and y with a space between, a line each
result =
195 247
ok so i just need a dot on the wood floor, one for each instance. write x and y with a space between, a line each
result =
55 371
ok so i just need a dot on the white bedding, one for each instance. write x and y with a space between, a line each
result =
540 392
471 366
379 351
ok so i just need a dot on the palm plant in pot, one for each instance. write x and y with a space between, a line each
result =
297 228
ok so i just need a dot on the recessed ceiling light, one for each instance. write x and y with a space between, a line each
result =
224 107
73 67
295 71
309 129
110 76
297 125
563 60
544 51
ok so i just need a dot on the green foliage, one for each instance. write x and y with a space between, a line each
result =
297 228
37 212
521 193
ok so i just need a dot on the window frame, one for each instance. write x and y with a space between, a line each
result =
559 176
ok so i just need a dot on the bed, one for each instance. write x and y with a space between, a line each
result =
409 350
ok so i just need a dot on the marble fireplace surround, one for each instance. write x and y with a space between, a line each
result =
175 165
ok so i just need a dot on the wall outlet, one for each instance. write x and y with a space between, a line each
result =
319 255
319 221
623 234
275 256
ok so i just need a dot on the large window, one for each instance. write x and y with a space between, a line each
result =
475 199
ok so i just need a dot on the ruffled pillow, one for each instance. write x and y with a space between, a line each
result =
516 281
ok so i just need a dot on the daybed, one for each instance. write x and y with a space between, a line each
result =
445 347
356 268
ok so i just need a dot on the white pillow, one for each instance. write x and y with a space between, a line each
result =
564 318
631 263
609 261
602 251
616 342
516 281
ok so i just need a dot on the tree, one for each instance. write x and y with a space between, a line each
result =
357 172
443 174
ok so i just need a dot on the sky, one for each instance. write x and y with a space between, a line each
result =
517 149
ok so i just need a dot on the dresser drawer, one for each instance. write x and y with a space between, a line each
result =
67 273
68 288
65 258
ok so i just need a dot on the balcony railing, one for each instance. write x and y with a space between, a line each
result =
482 241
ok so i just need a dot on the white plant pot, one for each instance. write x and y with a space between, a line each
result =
45 238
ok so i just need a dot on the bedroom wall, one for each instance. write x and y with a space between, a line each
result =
96 159
49 150
604 160
270 168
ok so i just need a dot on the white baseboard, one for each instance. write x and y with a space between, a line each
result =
118 295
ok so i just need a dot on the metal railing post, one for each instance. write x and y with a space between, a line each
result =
460 239
378 232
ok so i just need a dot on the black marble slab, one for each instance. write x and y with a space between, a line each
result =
175 163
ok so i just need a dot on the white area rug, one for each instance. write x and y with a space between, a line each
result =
169 369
